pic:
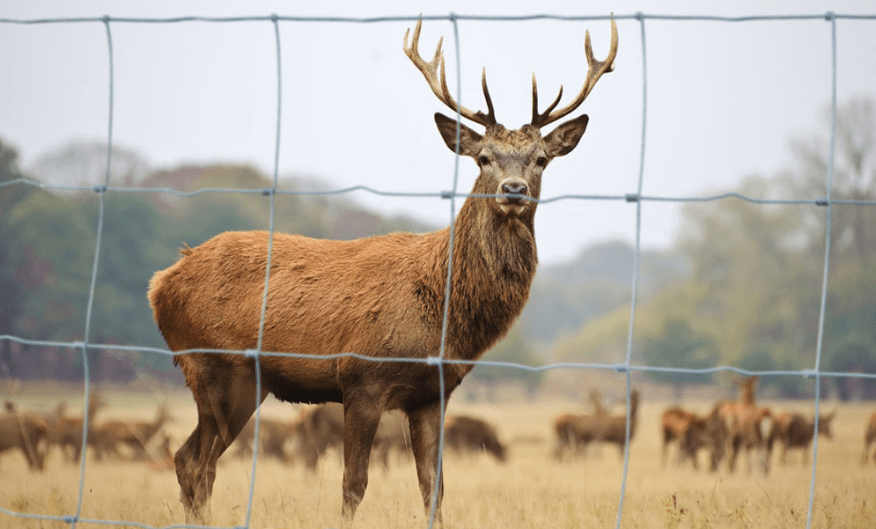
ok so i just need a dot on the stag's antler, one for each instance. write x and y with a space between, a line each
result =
594 72
438 80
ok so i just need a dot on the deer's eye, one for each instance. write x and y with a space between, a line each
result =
541 161
483 161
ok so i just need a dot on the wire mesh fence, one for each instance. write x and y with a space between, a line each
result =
636 197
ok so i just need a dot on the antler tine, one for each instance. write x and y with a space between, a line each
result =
436 78
594 72
535 114
491 116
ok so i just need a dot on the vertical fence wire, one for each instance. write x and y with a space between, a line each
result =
828 214
635 279
440 360
436 488
101 190
272 197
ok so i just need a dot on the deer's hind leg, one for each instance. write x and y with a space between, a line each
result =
224 404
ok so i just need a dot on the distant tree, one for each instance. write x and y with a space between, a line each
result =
11 290
513 349
84 163
680 346
854 178
853 354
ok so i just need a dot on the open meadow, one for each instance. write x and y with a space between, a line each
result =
530 490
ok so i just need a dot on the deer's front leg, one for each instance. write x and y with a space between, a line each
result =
426 428
361 417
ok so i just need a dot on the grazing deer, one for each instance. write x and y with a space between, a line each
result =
393 438
135 435
273 435
869 437
747 425
470 435
379 297
322 428
674 424
575 432
793 430
66 432
613 428
316 431
27 432
693 433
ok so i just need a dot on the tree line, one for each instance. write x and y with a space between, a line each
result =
741 286
753 296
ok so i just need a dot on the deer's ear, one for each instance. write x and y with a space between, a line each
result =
564 138
468 139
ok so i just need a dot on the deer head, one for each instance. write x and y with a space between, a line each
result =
511 161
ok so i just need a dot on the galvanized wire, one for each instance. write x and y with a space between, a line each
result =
627 367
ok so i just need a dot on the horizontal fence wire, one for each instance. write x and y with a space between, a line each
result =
627 367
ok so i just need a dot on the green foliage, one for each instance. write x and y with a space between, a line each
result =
513 349
11 291
596 282
678 345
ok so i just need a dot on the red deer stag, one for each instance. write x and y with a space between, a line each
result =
27 432
747 425
379 297
869 438
793 430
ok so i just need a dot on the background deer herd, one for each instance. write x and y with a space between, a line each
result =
508 463
731 427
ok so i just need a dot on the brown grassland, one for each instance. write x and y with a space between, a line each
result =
531 490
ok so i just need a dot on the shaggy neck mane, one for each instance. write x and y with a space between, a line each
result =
494 261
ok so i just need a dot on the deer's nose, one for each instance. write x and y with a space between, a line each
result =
515 188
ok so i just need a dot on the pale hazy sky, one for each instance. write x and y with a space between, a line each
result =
723 98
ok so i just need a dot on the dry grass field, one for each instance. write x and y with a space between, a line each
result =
531 490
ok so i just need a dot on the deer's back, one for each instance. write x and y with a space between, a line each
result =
364 296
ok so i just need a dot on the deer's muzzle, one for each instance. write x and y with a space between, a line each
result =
513 196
